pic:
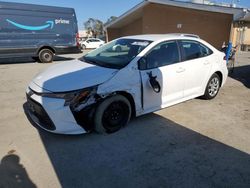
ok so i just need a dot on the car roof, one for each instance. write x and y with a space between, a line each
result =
156 37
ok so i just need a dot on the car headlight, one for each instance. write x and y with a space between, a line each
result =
72 98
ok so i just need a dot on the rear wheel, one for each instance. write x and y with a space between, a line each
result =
46 56
213 87
112 114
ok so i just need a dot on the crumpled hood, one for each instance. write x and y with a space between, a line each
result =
72 75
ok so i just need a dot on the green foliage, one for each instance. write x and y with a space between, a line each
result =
94 27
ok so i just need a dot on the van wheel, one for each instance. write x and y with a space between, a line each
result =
112 114
35 58
46 56
213 87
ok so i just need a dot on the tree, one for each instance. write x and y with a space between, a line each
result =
94 27
111 19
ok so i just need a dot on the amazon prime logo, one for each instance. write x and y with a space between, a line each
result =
61 21
48 24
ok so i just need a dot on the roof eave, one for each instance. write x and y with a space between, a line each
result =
197 6
135 8
243 17
236 12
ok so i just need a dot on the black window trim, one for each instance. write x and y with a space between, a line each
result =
182 50
179 53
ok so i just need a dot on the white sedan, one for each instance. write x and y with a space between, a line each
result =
92 43
103 89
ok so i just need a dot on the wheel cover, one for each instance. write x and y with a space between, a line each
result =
47 56
115 116
213 86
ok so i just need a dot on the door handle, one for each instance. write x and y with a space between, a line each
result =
180 69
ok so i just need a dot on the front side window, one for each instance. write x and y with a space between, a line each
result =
116 54
163 54
193 49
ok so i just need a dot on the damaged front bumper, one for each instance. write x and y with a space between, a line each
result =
53 115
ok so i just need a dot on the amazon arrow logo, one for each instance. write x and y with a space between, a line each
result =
49 24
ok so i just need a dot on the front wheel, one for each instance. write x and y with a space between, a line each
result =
213 87
112 114
46 56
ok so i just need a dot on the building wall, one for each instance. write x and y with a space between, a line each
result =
132 28
247 37
241 34
112 34
158 19
212 27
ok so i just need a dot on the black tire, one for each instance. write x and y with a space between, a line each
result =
46 56
112 114
35 59
213 87
83 47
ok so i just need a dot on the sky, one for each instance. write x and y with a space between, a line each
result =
102 9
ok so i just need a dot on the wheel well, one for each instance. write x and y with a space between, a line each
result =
220 75
46 47
131 100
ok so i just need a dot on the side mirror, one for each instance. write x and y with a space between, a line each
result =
142 63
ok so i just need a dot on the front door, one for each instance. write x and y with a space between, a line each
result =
162 64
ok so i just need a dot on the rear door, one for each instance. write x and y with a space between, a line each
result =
197 64
163 63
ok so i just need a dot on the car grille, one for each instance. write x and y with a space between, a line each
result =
38 111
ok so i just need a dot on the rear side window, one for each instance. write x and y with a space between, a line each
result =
193 50
163 54
205 50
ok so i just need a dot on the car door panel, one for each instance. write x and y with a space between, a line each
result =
197 68
170 77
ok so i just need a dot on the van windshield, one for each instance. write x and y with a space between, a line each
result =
116 54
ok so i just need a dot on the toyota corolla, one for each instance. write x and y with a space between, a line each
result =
102 90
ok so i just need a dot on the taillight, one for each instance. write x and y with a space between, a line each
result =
77 39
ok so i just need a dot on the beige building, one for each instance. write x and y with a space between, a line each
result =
241 32
213 23
83 34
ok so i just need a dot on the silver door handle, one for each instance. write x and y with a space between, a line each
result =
179 70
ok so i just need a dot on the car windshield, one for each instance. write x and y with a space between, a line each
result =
116 54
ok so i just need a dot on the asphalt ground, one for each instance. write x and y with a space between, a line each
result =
197 143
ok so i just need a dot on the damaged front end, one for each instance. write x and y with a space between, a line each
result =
82 104
83 108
